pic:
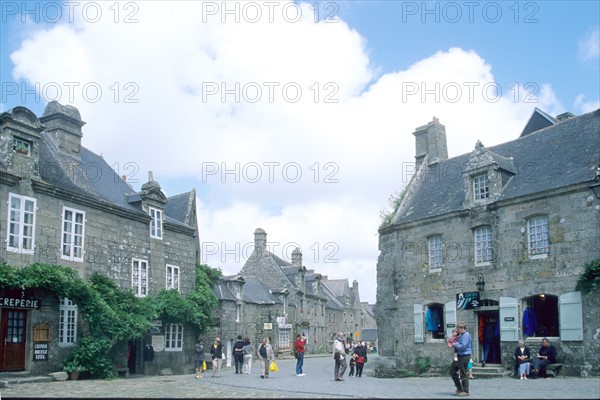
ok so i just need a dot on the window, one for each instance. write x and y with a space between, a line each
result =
238 312
173 337
481 187
156 223
284 339
139 277
21 146
434 321
21 224
67 329
541 316
172 277
72 234
483 244
537 232
435 251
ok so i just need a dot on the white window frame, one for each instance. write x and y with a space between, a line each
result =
67 327
481 187
18 142
19 225
172 277
434 248
482 237
69 235
139 276
173 337
538 245
283 339
238 312
156 224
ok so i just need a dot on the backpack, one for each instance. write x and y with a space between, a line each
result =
263 351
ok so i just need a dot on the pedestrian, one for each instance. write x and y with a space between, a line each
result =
361 358
216 353
459 370
339 355
238 354
299 349
248 350
265 352
199 358
352 364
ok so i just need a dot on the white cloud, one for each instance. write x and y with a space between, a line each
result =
351 153
585 106
589 46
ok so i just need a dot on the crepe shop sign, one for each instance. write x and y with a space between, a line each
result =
12 302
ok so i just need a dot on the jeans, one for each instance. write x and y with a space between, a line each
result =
461 367
340 368
489 347
299 362
239 362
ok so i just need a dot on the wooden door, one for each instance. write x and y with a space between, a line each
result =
12 339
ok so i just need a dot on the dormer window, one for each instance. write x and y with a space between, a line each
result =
22 146
481 187
156 223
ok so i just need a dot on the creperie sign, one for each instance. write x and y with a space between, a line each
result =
12 302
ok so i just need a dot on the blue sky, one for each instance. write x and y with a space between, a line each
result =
184 91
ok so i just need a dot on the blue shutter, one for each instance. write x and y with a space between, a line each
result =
509 319
418 322
570 316
450 317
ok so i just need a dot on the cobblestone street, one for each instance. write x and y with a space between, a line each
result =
317 383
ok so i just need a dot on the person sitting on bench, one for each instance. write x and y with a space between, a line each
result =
522 356
545 357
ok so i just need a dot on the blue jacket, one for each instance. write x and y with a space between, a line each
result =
464 344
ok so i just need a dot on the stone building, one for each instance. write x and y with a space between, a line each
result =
496 238
67 206
277 299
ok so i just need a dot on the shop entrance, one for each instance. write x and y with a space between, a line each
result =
13 324
489 337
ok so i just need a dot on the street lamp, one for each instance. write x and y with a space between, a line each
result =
480 283
596 187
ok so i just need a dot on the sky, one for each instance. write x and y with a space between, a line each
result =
295 117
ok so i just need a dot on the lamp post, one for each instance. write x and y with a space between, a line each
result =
596 187
480 283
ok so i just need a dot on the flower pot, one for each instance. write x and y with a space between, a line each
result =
73 376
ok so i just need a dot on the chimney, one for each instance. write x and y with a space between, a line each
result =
260 239
565 115
297 257
355 286
430 140
63 124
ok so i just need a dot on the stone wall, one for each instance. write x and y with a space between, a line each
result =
404 277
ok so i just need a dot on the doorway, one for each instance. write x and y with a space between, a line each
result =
489 337
13 326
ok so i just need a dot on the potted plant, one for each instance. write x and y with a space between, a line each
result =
73 368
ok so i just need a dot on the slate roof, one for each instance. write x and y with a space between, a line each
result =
90 175
258 292
554 157
537 121
368 335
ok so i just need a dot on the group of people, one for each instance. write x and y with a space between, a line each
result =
242 353
545 356
462 344
341 350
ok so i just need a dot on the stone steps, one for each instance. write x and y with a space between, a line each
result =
15 380
489 371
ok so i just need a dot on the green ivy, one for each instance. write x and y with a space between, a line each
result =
590 279
113 314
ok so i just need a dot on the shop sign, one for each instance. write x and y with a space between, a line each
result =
15 302
40 351
467 300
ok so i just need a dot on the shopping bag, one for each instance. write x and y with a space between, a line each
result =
203 365
273 367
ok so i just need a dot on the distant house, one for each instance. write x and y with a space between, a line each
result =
277 299
67 206
496 236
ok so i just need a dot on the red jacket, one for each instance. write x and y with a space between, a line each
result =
299 345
